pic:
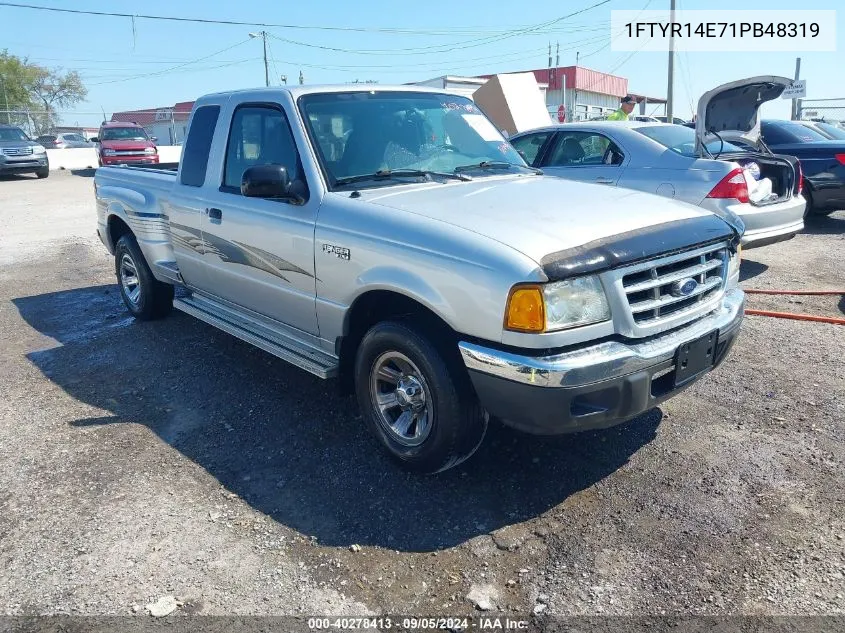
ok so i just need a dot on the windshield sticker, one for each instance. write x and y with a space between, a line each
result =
466 107
480 124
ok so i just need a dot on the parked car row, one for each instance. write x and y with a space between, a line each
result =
770 174
692 165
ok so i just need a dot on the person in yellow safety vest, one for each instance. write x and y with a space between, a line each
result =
626 106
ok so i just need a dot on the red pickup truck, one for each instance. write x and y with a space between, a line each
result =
119 143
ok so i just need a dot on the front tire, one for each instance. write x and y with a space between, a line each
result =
145 296
43 173
414 401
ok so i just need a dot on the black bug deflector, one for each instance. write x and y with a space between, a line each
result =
634 246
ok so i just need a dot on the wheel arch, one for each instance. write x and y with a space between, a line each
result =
378 304
116 226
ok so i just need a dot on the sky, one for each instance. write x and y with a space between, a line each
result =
151 64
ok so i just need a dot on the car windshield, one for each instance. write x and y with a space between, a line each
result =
124 134
361 133
12 134
681 139
834 131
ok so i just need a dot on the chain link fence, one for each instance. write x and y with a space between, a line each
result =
832 110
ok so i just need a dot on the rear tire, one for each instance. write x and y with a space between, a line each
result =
145 296
811 206
414 401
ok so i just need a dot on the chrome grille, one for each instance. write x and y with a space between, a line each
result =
17 151
662 289
129 152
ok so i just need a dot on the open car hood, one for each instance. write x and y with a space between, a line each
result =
732 109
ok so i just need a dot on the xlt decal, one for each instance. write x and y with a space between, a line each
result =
338 251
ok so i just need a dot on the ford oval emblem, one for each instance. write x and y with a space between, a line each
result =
684 287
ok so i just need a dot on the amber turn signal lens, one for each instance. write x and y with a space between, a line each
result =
525 311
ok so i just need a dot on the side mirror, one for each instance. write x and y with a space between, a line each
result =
94 139
154 139
266 181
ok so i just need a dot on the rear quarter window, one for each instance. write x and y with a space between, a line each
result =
198 145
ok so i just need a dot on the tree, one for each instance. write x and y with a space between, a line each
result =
15 98
55 89
34 93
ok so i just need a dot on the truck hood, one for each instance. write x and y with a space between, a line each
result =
125 145
733 109
539 215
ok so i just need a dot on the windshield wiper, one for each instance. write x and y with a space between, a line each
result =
387 174
495 164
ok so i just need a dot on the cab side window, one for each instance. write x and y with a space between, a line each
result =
259 135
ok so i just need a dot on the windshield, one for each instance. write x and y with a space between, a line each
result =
364 133
681 140
12 134
124 134
834 131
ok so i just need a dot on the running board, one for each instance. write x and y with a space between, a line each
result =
303 356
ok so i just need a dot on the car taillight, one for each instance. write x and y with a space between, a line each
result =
840 158
57 142
731 186
800 178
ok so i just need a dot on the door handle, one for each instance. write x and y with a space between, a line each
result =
604 181
214 214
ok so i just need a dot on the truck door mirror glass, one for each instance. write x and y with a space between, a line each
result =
94 139
266 181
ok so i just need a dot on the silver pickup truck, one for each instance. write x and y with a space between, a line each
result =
391 237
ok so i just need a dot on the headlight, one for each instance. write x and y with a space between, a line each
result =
575 302
556 306
38 149
109 152
150 150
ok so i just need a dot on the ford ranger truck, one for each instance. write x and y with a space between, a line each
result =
392 237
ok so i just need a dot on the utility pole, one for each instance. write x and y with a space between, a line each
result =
575 88
670 89
557 65
551 78
796 103
263 36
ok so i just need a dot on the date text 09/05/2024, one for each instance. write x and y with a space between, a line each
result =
419 623
723 29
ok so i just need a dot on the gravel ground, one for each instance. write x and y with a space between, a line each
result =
141 461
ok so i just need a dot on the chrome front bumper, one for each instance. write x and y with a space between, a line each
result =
594 386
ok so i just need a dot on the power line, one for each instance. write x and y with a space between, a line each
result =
172 68
618 35
392 30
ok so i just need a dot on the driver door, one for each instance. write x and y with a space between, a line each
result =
261 251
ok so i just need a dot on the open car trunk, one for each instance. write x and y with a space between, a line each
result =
731 112
781 172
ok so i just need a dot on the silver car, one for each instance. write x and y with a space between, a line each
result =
666 159
65 140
